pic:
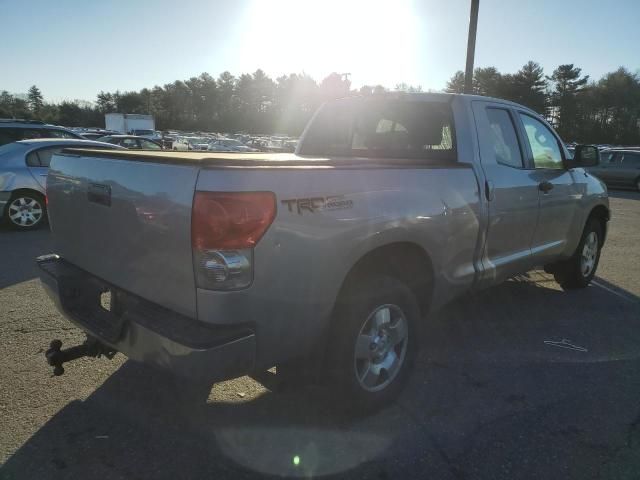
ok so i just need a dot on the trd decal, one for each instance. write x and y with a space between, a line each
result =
317 204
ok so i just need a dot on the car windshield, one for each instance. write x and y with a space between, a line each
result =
144 132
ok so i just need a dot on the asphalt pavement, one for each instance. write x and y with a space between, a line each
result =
520 381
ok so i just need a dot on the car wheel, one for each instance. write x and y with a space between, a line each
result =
373 342
25 210
638 184
579 270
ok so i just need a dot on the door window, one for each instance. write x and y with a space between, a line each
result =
54 133
503 138
543 143
129 143
615 159
147 145
31 133
9 135
45 155
33 160
42 157
631 159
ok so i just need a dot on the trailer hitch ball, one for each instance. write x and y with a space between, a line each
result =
90 348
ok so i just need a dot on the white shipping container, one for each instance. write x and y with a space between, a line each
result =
126 122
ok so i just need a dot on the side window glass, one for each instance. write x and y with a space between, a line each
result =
28 133
504 140
614 159
33 160
59 134
9 135
45 155
631 160
544 146
147 145
129 143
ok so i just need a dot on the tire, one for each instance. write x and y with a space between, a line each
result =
373 341
25 210
638 184
579 270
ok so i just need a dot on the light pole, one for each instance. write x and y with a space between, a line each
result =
471 46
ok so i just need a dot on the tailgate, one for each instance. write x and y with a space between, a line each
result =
128 223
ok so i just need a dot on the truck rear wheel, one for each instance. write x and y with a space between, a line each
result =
579 270
373 341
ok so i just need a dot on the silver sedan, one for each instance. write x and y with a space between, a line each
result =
23 173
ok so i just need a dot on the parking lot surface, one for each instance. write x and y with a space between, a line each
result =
519 381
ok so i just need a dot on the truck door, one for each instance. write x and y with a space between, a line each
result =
510 190
557 190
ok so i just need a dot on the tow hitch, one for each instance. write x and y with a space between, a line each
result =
90 348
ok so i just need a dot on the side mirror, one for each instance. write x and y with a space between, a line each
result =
586 156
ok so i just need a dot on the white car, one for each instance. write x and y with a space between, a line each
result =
230 145
148 134
191 143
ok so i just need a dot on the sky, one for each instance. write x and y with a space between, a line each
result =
73 49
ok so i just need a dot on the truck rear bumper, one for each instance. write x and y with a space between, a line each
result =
147 332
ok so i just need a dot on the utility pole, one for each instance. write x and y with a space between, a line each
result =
471 46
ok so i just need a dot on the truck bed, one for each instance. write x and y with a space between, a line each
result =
244 159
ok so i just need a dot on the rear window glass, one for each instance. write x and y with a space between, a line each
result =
383 129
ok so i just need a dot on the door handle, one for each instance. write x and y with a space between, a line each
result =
545 186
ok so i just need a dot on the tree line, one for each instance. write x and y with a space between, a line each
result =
582 110
603 111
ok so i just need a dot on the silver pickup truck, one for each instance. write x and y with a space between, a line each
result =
216 265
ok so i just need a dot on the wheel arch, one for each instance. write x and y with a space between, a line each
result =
602 214
405 261
29 191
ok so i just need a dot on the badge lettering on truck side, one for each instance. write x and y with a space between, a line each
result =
318 204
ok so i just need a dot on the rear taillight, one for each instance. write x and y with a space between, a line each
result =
225 226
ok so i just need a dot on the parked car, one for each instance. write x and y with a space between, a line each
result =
92 135
619 168
148 134
23 170
230 145
191 143
220 147
131 142
96 134
392 207
12 130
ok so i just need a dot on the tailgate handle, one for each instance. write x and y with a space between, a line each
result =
98 193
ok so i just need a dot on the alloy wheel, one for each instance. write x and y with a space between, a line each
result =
589 254
381 347
25 211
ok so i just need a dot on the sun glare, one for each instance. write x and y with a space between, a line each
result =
374 41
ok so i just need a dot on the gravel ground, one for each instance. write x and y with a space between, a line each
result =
489 398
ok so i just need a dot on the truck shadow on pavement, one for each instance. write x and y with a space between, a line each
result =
489 398
624 194
20 266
